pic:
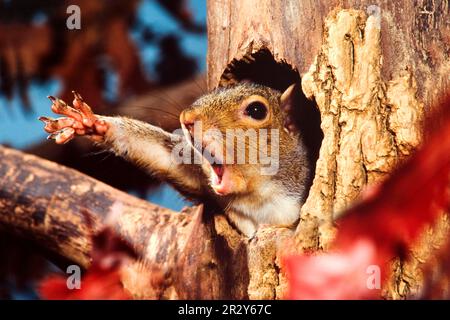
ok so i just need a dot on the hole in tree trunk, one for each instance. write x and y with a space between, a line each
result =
262 68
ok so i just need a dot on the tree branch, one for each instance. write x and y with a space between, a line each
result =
49 204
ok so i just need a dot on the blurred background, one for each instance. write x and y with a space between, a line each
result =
145 59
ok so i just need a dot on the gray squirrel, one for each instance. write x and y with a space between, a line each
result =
249 196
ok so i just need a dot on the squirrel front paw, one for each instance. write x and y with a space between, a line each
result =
78 120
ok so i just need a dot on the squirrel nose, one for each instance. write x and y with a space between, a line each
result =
189 126
188 121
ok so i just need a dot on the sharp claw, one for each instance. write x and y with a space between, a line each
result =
52 98
77 95
62 136
48 123
45 119
52 136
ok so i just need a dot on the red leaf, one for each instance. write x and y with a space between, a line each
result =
335 275
102 281
96 285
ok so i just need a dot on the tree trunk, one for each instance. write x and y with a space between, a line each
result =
372 68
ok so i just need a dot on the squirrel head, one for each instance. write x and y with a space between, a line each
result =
243 134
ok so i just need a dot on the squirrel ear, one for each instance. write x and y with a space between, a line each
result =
287 106
288 93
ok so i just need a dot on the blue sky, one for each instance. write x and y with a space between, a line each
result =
20 130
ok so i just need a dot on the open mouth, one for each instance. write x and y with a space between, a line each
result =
219 175
220 179
218 171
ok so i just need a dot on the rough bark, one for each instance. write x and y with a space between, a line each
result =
372 68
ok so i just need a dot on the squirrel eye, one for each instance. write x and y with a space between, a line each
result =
256 110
